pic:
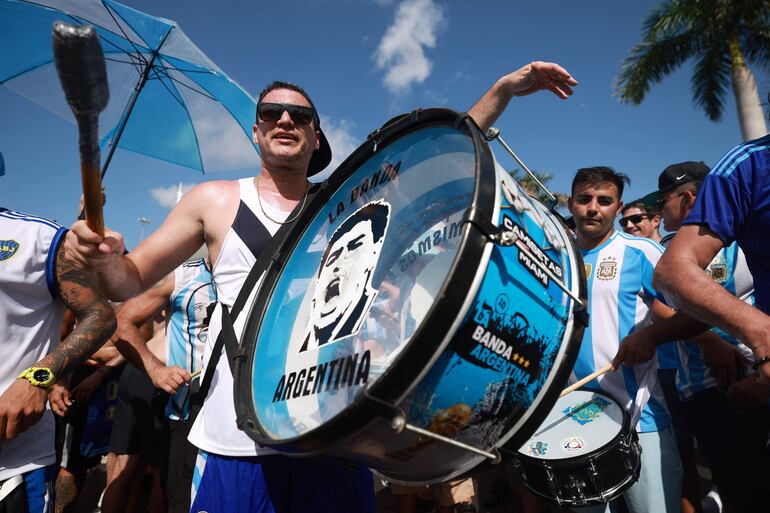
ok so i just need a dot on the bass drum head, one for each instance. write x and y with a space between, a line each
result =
396 296
356 285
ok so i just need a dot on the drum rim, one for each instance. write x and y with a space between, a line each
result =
612 492
624 431
390 387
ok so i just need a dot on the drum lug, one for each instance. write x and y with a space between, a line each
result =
596 480
509 238
553 485
482 223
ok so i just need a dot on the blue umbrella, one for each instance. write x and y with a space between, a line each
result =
168 100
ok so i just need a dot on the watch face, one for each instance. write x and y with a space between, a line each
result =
41 375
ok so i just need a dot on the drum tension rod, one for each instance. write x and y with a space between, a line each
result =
494 133
399 424
509 238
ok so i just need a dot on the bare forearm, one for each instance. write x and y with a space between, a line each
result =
486 111
120 281
701 297
95 318
133 347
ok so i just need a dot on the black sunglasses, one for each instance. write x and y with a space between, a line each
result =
664 200
272 112
636 218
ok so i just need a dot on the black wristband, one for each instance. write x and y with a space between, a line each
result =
761 361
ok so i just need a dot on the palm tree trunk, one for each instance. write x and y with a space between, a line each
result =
750 114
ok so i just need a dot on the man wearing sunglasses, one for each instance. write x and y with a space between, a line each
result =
236 219
725 411
640 220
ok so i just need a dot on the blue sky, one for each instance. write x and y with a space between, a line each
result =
331 48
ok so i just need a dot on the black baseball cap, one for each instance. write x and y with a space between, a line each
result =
321 157
674 176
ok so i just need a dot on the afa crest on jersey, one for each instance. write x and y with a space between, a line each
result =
608 269
8 248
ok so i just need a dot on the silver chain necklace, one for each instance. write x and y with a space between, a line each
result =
259 200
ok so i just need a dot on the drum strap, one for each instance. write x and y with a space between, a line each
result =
227 339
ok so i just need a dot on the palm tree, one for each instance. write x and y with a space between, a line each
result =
531 187
722 36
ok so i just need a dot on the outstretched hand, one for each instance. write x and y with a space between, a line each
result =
538 76
530 78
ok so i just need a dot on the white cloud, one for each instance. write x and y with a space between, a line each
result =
167 196
402 49
342 140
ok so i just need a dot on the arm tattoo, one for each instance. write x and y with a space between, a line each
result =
95 318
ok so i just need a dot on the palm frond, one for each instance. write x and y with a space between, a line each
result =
531 187
756 47
669 19
710 79
650 62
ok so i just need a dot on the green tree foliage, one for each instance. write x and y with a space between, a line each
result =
721 36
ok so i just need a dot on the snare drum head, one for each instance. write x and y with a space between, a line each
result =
580 423
360 280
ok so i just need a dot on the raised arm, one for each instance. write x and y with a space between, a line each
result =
22 404
191 223
528 79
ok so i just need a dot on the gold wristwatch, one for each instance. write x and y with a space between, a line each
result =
41 377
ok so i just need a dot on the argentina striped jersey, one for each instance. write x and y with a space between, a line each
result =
186 334
730 270
620 295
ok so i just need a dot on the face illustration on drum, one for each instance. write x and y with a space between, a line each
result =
343 290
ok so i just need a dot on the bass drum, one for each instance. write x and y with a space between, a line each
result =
420 288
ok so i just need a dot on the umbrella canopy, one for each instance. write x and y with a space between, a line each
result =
168 100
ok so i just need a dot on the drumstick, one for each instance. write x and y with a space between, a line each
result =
82 72
195 374
585 380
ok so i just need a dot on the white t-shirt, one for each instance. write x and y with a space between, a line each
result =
31 312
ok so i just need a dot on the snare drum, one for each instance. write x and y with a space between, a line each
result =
584 453
421 314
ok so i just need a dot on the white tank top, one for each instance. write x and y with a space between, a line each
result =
214 429
31 313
